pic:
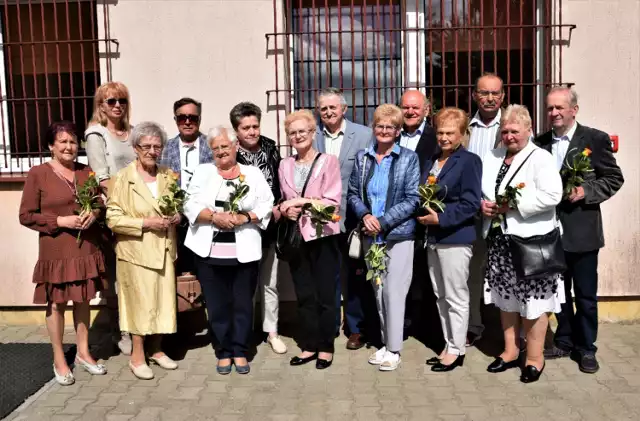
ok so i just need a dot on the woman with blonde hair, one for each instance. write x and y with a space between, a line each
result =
451 231
109 150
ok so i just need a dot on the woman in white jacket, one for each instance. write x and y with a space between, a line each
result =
227 245
518 162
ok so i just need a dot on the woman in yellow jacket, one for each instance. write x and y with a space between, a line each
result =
146 250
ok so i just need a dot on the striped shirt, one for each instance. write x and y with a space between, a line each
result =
223 244
378 185
483 136
560 146
410 141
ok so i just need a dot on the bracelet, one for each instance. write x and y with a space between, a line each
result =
247 215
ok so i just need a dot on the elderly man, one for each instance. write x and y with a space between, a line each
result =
581 220
485 136
343 138
261 152
183 154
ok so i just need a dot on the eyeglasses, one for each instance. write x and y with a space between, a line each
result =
183 118
113 101
221 148
485 94
299 133
381 128
147 148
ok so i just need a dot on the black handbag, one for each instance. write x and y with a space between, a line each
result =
538 256
288 236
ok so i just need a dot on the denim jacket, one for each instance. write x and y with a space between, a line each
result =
398 223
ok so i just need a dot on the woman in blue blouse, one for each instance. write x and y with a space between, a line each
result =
451 233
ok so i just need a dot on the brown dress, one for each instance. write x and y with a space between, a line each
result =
66 270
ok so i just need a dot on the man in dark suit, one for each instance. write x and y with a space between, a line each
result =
419 136
581 219
183 154
343 138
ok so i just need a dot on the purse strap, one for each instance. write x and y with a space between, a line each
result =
306 182
520 167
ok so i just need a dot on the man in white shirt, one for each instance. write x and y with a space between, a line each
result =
485 136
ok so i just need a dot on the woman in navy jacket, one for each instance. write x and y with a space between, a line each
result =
451 233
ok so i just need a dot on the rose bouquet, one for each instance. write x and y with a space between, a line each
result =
320 215
239 191
428 193
510 199
376 259
87 196
577 170
173 201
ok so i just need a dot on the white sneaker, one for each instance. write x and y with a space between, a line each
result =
125 344
277 345
390 361
377 357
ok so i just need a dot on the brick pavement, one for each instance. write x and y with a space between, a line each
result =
350 390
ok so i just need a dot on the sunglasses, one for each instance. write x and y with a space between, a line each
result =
113 101
183 118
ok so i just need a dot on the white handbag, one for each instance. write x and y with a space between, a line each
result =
355 236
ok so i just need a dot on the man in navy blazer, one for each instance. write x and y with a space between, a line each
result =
343 138
183 154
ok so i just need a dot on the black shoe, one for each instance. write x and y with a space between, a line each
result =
322 364
433 361
555 353
441 368
588 363
499 365
472 338
300 361
531 374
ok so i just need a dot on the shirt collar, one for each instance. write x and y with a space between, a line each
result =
418 132
569 135
340 131
477 121
371 150
189 145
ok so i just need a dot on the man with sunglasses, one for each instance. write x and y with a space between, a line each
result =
183 154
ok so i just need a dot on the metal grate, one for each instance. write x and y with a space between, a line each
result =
49 70
375 49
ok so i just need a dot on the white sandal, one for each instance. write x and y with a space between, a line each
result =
66 380
94 369
164 362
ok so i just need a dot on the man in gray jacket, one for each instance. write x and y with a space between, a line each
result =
343 138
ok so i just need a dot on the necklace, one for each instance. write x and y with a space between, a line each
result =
229 174
304 161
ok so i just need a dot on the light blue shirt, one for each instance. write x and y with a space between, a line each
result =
378 185
410 141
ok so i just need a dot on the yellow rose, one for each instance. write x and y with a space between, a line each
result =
241 178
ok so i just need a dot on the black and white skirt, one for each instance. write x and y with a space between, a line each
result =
503 289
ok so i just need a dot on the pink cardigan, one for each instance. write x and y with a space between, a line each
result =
324 184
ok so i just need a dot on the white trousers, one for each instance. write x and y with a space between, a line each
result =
449 271
269 297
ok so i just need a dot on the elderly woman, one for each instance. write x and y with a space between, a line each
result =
521 164
67 269
451 232
109 150
225 237
309 177
383 193
146 250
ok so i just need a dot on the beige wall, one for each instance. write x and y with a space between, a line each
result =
603 60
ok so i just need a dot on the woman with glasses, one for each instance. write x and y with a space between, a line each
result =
383 193
109 150
146 250
227 244
312 177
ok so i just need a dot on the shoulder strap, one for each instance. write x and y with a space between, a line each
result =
363 174
516 172
304 188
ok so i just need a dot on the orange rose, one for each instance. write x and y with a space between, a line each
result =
92 174
520 186
431 180
586 152
335 217
241 178
173 175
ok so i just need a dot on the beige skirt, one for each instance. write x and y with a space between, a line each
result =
147 298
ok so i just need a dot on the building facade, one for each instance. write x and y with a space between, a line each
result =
279 53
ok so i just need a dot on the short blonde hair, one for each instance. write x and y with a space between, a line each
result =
454 115
516 113
388 111
104 92
300 115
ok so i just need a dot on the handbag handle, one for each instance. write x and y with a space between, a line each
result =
306 182
520 167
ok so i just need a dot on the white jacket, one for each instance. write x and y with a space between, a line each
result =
536 211
203 190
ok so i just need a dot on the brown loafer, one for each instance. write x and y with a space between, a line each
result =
355 341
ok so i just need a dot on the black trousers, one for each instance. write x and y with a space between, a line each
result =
578 331
228 292
186 259
314 279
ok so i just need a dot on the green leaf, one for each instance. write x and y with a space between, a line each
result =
369 275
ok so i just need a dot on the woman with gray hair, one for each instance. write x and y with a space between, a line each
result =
146 250
519 165
228 205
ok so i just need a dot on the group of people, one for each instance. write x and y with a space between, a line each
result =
371 176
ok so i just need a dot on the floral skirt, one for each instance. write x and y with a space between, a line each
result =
530 298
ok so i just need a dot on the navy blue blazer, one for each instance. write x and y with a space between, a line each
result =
460 182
